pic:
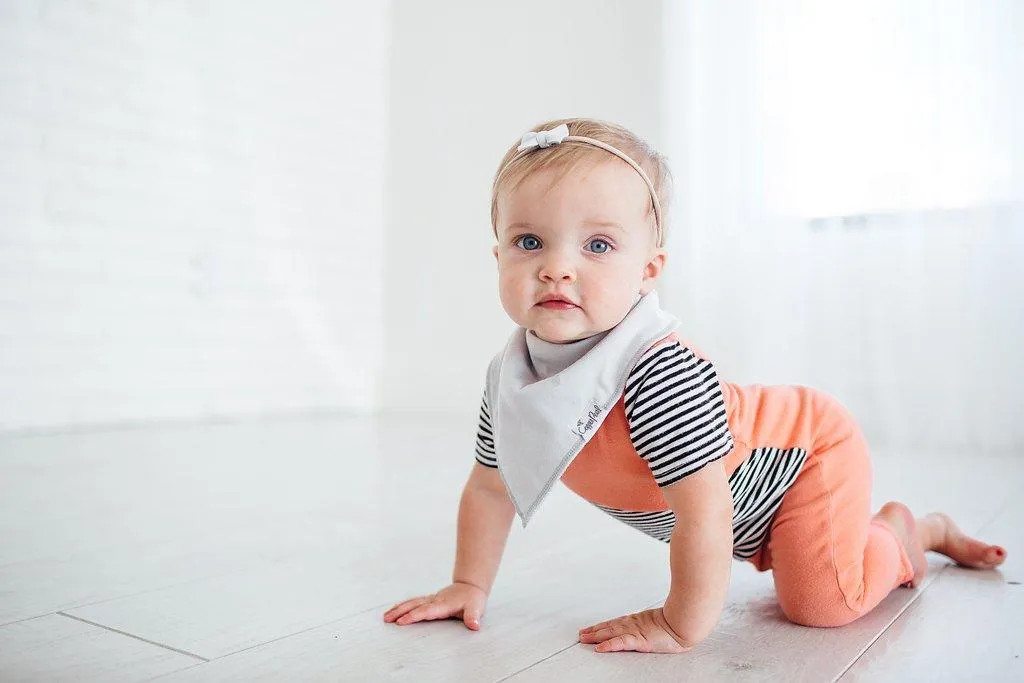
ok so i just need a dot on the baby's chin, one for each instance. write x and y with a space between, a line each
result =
557 339
568 327
561 334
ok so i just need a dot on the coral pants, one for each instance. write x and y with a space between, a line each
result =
830 561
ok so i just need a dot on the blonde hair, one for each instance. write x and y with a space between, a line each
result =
515 167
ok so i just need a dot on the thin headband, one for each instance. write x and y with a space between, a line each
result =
559 134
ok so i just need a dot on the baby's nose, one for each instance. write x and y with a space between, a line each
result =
558 268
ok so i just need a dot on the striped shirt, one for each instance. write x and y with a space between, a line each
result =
678 424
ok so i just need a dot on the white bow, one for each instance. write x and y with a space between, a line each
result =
544 138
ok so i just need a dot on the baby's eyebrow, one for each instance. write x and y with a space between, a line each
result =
604 224
520 225
590 223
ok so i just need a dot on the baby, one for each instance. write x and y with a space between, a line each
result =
596 388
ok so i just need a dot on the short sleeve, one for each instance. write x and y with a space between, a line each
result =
676 412
485 436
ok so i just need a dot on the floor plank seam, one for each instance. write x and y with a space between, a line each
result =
995 515
123 596
867 646
169 674
80 605
132 635
305 630
18 621
220 574
539 661
558 652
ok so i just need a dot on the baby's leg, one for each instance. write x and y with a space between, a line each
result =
830 561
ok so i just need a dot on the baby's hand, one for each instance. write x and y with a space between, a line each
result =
459 599
646 631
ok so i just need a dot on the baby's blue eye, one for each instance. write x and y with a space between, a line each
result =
528 242
599 246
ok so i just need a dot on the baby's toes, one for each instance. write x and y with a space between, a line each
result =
970 552
994 556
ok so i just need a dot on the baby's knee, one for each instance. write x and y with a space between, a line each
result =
816 609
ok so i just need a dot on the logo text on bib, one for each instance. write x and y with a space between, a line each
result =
587 422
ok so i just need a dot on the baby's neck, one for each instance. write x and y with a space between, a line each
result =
549 358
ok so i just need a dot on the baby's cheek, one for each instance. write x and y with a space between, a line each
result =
512 293
614 295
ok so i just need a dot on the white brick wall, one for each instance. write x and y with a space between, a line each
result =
190 209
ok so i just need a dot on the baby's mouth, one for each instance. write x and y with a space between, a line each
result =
557 305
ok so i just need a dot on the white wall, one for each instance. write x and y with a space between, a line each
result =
190 209
467 79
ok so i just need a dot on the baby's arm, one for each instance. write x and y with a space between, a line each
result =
485 519
700 552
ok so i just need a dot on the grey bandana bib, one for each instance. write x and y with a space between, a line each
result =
542 423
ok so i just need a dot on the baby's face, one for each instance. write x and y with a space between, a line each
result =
574 252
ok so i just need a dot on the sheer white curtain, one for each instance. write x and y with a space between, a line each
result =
850 179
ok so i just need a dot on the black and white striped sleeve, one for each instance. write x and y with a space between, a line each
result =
676 412
485 437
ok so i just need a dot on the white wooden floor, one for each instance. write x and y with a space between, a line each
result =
268 551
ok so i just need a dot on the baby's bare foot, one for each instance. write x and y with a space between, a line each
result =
946 538
902 521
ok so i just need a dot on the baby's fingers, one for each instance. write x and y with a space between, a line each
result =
471 617
603 634
404 607
626 641
595 627
433 610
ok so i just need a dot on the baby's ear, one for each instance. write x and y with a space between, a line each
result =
652 270
494 250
